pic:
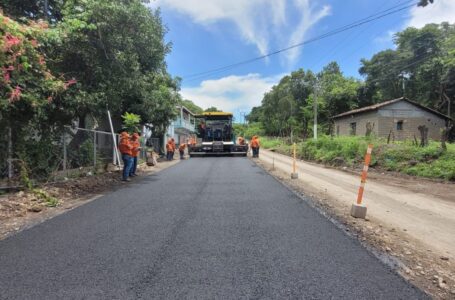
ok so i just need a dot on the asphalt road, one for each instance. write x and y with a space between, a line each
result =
207 228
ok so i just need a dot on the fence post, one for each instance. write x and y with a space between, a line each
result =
94 149
10 153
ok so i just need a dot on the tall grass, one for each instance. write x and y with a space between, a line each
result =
402 157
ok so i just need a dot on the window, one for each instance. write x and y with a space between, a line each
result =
353 128
400 125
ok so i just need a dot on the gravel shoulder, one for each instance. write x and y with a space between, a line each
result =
411 221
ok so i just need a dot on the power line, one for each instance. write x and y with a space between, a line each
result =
347 39
355 24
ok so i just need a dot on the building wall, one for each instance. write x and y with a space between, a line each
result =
386 119
411 117
343 125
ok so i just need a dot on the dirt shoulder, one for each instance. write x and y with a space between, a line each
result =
22 210
410 222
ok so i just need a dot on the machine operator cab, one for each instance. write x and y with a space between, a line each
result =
215 136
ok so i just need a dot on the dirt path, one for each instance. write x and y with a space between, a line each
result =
415 210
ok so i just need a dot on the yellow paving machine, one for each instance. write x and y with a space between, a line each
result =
215 136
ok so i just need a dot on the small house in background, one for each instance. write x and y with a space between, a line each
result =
183 127
399 117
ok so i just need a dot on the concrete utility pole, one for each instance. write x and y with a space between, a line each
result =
315 111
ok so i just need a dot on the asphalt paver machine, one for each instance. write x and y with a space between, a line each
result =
215 136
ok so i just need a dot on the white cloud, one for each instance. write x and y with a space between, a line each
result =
439 11
259 21
231 93
310 17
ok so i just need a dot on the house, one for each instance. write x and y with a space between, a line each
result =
400 117
182 128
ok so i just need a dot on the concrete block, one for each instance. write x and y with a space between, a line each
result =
294 175
358 211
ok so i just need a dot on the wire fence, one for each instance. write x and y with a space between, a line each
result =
72 152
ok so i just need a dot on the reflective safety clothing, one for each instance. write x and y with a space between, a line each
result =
135 144
255 142
125 146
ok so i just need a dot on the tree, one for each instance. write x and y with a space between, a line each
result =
421 63
425 2
192 107
212 109
33 9
116 51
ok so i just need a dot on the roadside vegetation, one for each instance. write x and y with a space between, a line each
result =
403 157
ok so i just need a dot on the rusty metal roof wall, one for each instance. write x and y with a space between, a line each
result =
385 103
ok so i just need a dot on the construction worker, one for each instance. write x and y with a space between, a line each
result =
255 145
135 153
169 150
241 141
174 147
126 148
182 150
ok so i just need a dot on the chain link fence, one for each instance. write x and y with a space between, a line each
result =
71 153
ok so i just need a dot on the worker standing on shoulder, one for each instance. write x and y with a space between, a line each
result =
169 150
182 150
135 153
126 148
255 145
174 147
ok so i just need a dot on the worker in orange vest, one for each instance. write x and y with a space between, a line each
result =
135 153
126 148
182 150
174 147
169 150
241 141
255 145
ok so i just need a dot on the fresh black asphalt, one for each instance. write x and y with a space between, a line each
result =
207 228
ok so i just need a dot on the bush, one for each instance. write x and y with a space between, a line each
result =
430 161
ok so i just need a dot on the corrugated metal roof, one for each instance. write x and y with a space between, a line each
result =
385 103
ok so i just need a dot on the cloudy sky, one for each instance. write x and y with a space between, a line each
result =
214 33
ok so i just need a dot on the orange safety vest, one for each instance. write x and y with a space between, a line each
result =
135 144
125 147
169 146
255 143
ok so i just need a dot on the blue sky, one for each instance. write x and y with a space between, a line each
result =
214 33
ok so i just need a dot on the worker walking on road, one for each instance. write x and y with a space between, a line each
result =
126 148
255 145
136 147
182 150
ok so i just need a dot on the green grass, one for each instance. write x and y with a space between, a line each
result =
404 157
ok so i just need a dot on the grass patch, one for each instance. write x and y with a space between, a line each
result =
404 157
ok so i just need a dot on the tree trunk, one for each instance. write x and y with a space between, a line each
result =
423 135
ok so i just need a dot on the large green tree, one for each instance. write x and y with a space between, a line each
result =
420 68
115 49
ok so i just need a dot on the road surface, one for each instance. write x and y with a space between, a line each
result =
207 228
426 217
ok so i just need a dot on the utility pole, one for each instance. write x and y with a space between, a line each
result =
315 111
292 135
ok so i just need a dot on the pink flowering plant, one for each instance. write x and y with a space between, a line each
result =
26 83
